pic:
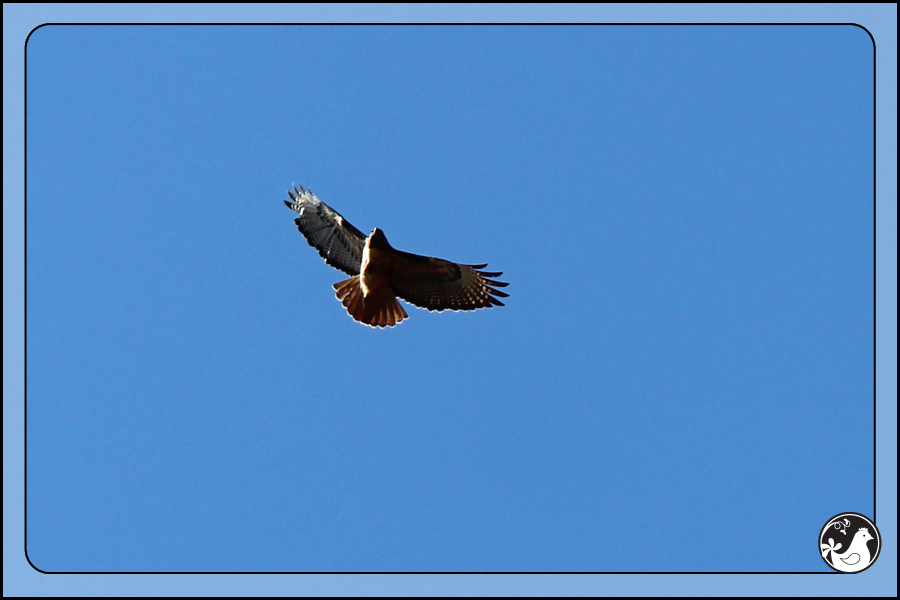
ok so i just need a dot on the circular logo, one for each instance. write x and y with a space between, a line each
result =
849 542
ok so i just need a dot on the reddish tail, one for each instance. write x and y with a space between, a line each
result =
380 309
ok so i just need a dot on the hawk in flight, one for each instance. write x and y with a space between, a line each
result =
379 273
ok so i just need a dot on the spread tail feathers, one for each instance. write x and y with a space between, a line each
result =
380 309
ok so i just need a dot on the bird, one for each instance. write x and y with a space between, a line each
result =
380 273
853 559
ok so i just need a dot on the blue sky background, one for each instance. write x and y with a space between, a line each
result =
681 379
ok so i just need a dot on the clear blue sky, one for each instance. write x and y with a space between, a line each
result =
682 378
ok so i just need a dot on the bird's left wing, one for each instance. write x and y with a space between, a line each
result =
438 284
338 242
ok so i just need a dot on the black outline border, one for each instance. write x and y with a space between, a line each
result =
412 24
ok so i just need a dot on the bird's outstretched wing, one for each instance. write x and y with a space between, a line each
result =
338 242
438 284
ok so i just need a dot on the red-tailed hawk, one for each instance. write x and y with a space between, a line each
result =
380 273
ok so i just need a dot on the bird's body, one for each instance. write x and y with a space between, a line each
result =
854 558
375 265
380 273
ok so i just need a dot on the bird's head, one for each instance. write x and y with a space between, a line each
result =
377 240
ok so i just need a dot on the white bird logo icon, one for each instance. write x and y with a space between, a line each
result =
853 559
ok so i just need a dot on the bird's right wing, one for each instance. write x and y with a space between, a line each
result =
438 284
338 242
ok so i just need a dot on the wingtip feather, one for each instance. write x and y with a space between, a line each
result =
496 283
